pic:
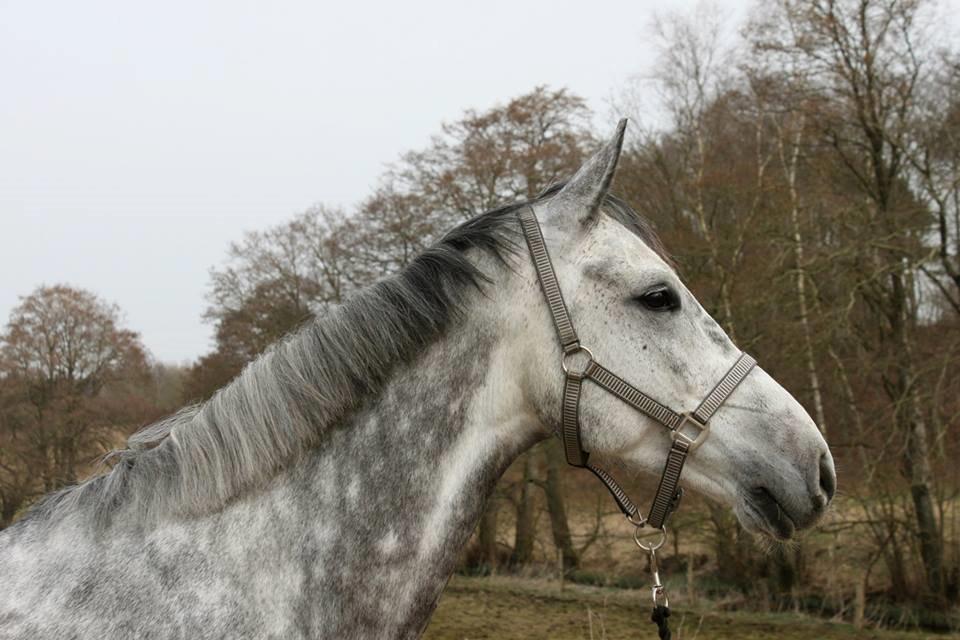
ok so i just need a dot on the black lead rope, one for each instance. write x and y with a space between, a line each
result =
659 616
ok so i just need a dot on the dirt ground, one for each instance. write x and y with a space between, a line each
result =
503 607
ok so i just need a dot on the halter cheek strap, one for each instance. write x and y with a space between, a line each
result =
687 430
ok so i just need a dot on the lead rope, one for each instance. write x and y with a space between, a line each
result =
661 604
669 492
659 616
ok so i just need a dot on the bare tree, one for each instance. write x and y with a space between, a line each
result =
860 58
507 153
66 372
935 160
272 282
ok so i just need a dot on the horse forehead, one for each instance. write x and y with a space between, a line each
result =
613 252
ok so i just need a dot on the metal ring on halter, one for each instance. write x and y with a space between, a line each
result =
642 522
579 349
649 548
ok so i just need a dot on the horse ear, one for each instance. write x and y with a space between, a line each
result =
586 190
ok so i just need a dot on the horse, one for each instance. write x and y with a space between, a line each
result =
327 491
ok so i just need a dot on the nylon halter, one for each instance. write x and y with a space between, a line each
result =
668 492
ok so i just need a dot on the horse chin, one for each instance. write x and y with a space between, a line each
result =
764 517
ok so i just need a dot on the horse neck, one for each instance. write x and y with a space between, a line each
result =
394 493
354 536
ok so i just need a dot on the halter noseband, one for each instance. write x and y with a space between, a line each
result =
697 421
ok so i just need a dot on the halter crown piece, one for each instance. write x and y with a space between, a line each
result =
687 430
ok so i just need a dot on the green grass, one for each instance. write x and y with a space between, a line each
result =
503 607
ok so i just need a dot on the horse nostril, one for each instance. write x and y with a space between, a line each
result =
828 477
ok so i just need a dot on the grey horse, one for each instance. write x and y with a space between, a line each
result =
327 490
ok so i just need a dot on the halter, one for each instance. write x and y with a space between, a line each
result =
687 430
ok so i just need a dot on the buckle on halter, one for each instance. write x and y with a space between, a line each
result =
703 430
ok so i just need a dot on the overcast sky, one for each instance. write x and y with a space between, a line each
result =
137 140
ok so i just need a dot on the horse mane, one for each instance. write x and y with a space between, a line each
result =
283 403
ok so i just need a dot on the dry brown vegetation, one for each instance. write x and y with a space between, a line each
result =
807 184
478 608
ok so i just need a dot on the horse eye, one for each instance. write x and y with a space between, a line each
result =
660 298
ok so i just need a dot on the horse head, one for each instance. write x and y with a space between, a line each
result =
760 453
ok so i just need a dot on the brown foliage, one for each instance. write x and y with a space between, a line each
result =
806 191
71 378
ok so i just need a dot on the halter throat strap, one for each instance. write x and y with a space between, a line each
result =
688 430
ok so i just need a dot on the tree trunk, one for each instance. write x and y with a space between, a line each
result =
893 558
860 604
49 474
691 586
8 509
918 466
735 549
487 534
523 538
790 167
917 451
557 507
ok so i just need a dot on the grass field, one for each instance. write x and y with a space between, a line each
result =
504 607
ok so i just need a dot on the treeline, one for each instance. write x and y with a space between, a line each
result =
73 382
807 184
